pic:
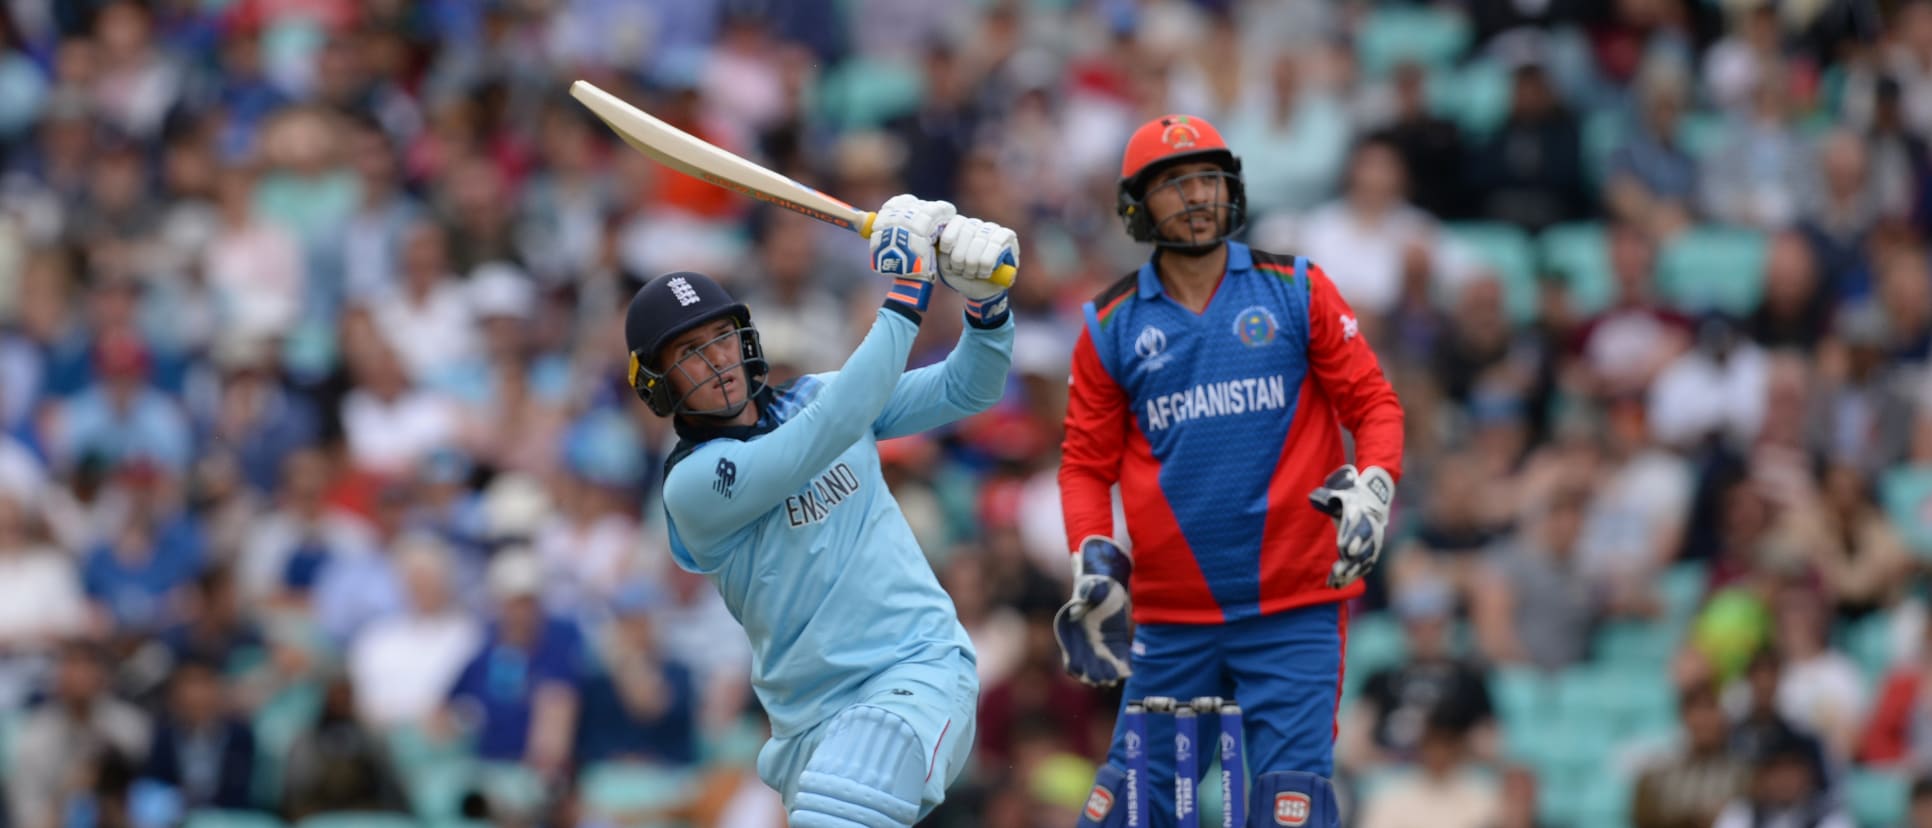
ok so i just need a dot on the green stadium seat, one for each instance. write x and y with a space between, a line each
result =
1506 249
1714 268
1391 35
1906 494
1683 588
277 725
1604 130
1581 253
511 786
1475 96
1702 133
1877 799
436 787
610 789
215 818
862 93
1604 801
1869 642
1521 693
1375 641
1636 644
358 819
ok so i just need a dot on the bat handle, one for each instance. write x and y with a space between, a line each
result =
1002 275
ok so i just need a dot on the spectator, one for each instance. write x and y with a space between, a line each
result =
1691 787
1821 690
403 666
1758 721
1367 237
1432 685
202 751
1784 789
213 627
121 417
1294 135
79 720
283 557
358 583
1536 607
640 706
1444 791
1754 184
151 545
1530 173
1432 149
1796 311
1920 811
41 601
254 266
520 694
1623 347
1715 390
426 319
1844 537
1897 735
390 422
339 764
1652 178
1859 409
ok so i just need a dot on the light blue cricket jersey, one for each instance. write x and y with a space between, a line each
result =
792 520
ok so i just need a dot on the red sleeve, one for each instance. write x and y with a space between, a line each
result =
1349 374
1096 436
1885 738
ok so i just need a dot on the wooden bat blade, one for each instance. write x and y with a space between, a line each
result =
687 154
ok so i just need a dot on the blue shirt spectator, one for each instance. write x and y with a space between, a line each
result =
517 692
637 702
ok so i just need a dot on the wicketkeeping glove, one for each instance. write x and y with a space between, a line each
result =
1093 630
1359 503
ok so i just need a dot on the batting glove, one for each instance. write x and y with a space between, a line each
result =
904 232
1359 503
970 250
1092 628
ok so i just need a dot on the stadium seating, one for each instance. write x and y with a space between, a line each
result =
1509 251
1713 269
1580 253
1427 35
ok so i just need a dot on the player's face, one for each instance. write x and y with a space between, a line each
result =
1189 202
706 367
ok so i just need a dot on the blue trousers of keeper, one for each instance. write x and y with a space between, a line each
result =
1285 670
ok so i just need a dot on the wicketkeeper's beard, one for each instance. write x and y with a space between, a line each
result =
1196 231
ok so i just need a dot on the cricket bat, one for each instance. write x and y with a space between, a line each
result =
685 153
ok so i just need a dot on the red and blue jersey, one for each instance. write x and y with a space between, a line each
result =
1216 426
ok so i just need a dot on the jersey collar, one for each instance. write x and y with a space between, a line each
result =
1240 259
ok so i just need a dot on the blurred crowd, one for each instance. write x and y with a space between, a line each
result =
322 492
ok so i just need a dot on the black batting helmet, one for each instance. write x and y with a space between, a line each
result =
668 306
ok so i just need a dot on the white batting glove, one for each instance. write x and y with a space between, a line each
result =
970 250
1359 503
904 235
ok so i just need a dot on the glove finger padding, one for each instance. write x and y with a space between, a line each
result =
970 250
1359 503
1093 628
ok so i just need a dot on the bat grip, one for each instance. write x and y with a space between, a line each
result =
1002 275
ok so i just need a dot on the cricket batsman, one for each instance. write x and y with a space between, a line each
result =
1211 386
774 493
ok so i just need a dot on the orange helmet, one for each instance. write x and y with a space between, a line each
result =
1163 142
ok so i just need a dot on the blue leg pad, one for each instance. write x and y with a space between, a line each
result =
1107 805
1293 799
867 773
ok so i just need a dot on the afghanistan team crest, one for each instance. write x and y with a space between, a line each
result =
1255 326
